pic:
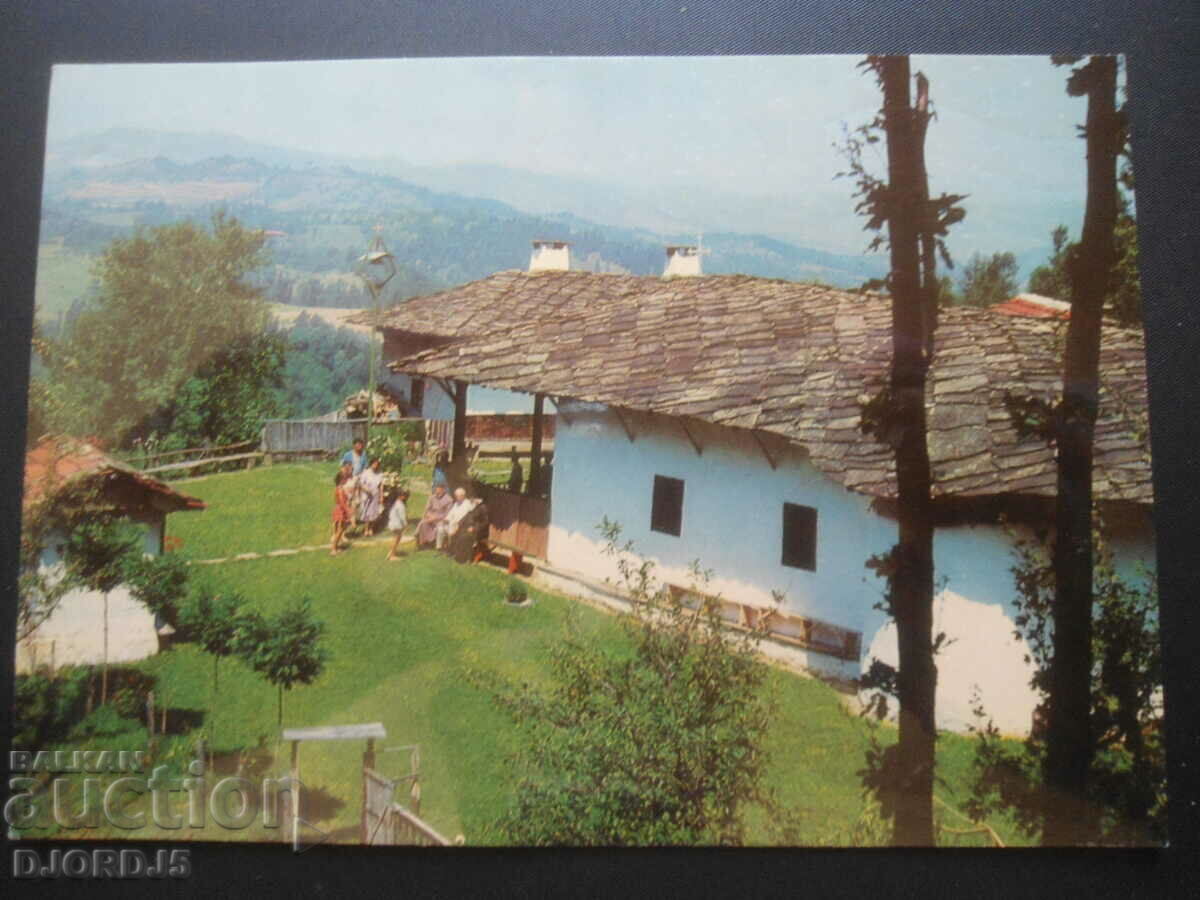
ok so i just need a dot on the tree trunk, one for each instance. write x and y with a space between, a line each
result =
912 585
104 664
1070 748
281 706
929 283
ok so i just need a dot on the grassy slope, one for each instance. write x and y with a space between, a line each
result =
62 277
402 638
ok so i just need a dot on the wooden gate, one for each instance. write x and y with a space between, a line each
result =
386 821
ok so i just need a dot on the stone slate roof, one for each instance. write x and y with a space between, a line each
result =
787 358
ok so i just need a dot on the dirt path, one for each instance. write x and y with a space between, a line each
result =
292 551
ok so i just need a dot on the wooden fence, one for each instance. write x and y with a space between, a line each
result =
150 460
310 435
386 822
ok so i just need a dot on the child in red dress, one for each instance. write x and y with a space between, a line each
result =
342 515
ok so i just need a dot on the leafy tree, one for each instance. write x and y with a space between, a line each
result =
324 366
158 582
285 650
1126 801
662 744
97 556
903 777
1124 299
170 300
986 281
228 399
1051 279
217 623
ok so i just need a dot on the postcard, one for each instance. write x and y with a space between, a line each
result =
588 451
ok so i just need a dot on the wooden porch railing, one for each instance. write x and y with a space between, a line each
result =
518 522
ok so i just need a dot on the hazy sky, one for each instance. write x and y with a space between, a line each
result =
757 128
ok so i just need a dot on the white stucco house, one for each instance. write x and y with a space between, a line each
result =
717 418
73 633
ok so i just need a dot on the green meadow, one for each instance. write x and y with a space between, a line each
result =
413 644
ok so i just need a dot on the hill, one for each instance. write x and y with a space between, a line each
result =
321 215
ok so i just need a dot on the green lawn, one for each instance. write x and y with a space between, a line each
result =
403 638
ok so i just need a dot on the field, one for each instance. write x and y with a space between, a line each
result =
410 643
62 277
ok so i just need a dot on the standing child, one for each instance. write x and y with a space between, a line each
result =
397 519
341 510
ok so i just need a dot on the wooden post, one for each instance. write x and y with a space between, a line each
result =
458 442
535 447
368 763
294 794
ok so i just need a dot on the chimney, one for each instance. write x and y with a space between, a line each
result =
683 259
550 256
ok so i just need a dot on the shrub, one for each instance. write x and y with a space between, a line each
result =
517 592
47 707
388 445
664 745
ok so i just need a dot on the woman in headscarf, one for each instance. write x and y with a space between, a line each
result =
435 514
370 495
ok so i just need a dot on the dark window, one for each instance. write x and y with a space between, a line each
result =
800 536
417 397
666 515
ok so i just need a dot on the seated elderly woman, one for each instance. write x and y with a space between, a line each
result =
458 511
468 540
431 528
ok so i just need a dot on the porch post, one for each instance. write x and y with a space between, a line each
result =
535 446
458 451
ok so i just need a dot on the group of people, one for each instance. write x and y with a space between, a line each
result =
454 523
360 500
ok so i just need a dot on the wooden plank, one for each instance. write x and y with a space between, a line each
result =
336 732
695 444
196 463
624 424
763 447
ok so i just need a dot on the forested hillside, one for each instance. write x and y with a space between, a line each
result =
319 219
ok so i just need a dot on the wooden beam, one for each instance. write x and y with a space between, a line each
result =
624 424
691 437
445 384
535 446
367 730
558 406
763 447
458 448
294 793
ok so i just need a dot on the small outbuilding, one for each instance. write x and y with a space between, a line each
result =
73 632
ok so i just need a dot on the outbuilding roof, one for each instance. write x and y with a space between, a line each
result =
57 460
792 359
